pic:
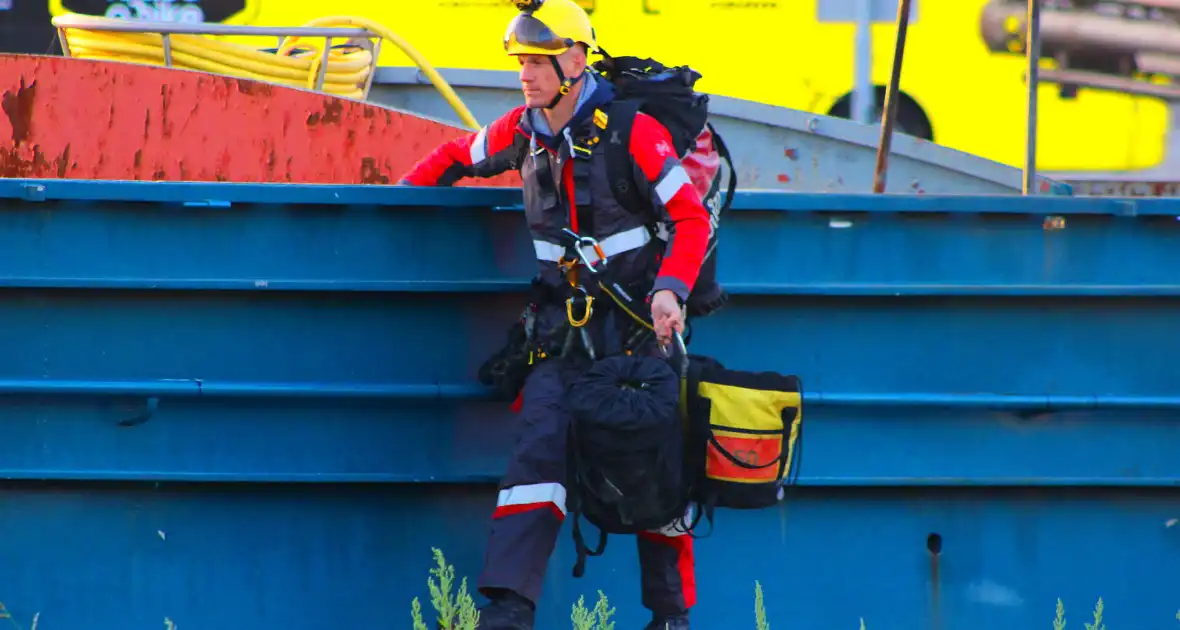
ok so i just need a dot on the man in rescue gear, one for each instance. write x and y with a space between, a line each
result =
600 269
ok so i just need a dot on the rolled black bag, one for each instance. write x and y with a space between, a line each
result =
626 449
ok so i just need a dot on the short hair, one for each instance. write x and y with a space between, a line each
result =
583 48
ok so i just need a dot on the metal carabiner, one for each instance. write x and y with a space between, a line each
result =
578 242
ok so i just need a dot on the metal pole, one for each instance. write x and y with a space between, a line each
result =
887 117
862 95
1033 58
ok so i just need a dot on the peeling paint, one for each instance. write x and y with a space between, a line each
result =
370 174
333 110
148 122
18 108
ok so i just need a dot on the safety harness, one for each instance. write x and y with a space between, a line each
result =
593 256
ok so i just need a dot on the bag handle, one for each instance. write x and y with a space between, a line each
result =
678 347
737 462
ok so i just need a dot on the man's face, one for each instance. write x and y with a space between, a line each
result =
538 79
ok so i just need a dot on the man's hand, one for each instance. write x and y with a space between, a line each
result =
666 315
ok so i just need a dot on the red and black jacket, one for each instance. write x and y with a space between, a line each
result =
565 186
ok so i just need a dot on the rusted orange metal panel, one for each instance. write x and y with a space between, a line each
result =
74 118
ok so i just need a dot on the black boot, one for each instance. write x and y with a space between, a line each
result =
506 611
674 622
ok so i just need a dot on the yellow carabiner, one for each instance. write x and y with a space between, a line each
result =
569 311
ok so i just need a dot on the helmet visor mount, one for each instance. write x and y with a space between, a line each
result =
528 35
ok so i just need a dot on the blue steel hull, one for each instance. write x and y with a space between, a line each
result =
254 406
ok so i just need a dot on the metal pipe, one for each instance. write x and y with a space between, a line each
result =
376 50
863 98
1098 81
323 69
93 23
1170 5
1033 58
65 45
1155 63
1076 32
167 39
890 109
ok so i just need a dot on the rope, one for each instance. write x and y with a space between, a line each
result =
347 73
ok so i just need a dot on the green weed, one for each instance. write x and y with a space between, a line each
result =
4 614
458 612
454 612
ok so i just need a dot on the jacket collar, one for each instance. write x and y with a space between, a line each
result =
596 92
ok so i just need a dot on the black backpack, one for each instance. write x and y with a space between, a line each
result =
626 450
666 94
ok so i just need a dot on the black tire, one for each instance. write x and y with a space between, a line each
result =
911 120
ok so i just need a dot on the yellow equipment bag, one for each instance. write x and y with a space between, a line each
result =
742 429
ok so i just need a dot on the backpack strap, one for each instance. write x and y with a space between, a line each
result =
619 171
576 477
580 546
723 153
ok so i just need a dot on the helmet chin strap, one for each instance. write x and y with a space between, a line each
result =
566 84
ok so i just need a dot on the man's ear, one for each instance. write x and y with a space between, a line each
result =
578 54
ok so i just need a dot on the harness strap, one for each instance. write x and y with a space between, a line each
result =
614 245
620 119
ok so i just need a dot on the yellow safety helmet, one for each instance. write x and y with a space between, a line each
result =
548 27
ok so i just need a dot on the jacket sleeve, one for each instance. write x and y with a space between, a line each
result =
676 201
492 150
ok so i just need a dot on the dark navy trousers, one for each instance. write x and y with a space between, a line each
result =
531 507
